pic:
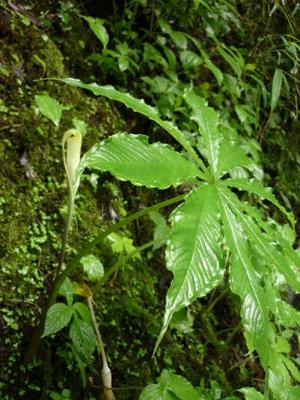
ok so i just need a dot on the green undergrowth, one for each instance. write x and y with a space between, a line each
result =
204 344
32 186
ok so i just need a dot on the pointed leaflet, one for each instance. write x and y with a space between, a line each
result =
245 282
257 188
138 106
266 245
50 108
231 155
131 157
193 252
208 121
97 26
276 88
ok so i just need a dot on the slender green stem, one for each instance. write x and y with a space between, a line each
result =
66 232
75 262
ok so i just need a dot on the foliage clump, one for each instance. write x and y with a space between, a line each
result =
153 50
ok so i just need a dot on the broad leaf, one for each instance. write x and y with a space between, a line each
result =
258 189
231 156
93 267
208 121
49 107
193 251
170 387
245 281
141 107
131 157
58 316
83 338
97 26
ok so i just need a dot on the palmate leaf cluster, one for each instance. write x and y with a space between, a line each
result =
211 223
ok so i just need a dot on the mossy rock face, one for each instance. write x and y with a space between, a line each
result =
32 180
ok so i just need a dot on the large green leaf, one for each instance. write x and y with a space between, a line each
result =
131 157
208 121
83 338
193 251
58 316
139 106
245 281
170 387
258 189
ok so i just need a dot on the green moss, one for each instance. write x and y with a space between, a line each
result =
32 181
